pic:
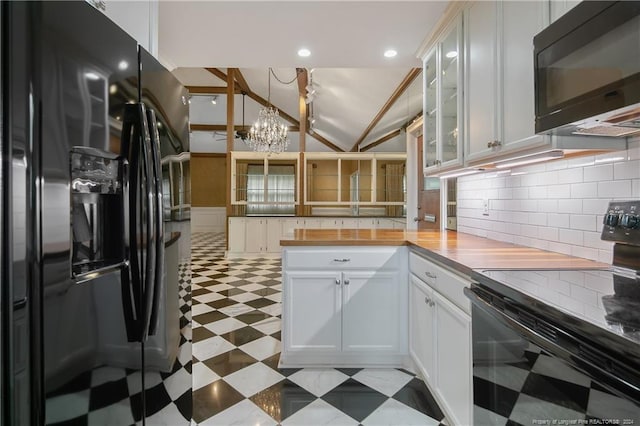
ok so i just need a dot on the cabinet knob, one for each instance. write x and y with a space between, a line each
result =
346 282
337 281
431 275
494 144
342 260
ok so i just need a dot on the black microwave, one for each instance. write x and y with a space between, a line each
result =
587 71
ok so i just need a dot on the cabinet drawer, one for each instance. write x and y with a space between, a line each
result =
445 282
341 258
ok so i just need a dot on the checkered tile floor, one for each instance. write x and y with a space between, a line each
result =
111 396
540 387
236 347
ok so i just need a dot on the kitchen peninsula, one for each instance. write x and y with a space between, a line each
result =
383 297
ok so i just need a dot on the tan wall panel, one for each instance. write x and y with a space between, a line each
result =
208 180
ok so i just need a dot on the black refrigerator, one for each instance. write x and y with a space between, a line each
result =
95 196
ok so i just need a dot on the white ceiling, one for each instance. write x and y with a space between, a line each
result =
256 34
346 38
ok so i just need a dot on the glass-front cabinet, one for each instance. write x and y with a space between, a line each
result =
263 185
355 184
443 103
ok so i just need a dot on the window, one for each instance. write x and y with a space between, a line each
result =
280 190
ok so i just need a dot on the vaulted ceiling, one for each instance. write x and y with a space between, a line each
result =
347 39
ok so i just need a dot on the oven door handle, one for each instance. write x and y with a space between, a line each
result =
571 357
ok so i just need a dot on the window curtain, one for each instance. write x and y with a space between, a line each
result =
281 187
394 187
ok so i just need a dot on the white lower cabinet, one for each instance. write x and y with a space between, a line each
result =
422 328
237 230
353 314
312 312
440 337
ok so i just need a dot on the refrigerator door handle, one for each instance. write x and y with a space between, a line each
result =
151 230
139 274
158 225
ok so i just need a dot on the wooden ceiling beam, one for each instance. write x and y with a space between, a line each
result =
208 90
244 86
218 73
404 84
223 128
262 101
382 140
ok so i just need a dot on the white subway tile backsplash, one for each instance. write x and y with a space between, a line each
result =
557 206
570 236
559 220
583 190
559 191
570 175
538 192
570 206
627 170
549 234
583 222
598 173
614 189
538 219
548 206
594 206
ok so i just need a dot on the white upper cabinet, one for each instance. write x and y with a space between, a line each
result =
138 18
481 92
499 81
443 102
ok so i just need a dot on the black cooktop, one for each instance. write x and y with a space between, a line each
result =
596 302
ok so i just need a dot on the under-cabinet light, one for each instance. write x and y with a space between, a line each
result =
530 159
459 173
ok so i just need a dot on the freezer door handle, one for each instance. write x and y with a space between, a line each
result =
138 277
153 309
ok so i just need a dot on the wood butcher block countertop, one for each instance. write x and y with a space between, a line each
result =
459 250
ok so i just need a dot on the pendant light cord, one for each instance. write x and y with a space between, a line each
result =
283 82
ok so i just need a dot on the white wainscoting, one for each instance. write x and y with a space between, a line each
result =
208 219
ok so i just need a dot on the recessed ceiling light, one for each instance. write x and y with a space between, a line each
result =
451 54
123 65
390 53
304 53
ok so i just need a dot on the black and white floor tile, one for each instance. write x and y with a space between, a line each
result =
540 388
111 396
236 347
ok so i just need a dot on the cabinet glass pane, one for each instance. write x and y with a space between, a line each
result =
431 111
356 181
449 95
391 185
249 178
322 180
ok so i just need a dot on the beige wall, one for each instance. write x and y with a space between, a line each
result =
208 180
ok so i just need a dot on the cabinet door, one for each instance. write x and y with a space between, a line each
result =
451 105
453 359
311 315
350 223
430 124
237 234
274 234
255 237
521 21
371 311
384 223
422 328
481 94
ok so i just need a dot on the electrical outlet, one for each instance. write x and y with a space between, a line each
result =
485 207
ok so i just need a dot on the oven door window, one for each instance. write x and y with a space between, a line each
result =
516 381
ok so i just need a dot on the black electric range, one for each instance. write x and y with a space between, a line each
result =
561 346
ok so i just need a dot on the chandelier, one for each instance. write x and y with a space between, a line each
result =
268 134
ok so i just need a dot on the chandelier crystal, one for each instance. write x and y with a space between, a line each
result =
268 134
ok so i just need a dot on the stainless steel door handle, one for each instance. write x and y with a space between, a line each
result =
431 275
342 260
